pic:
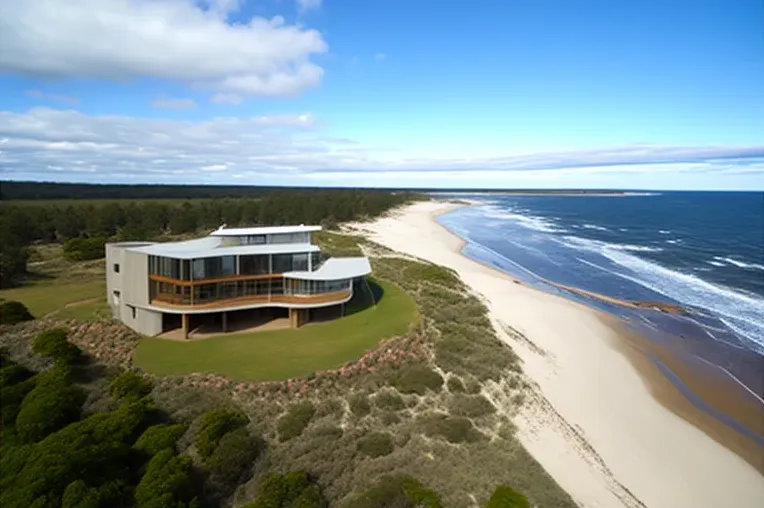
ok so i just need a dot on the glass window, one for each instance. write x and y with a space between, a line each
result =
315 260
253 265
199 271
282 263
300 262
227 266
252 240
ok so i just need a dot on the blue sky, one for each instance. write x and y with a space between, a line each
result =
659 95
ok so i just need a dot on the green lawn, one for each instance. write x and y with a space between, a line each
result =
60 287
284 354
45 297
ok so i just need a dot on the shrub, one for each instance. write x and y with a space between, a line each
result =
166 482
79 495
233 457
400 491
130 384
159 437
417 379
12 312
14 374
470 405
359 404
12 397
390 418
291 490
455 385
376 444
389 401
213 426
507 497
454 429
51 405
53 344
84 249
472 386
295 420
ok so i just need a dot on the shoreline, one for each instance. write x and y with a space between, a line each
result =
607 425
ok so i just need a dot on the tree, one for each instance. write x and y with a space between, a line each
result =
159 437
12 312
213 426
51 405
291 490
53 344
233 457
84 249
130 385
400 491
507 497
166 482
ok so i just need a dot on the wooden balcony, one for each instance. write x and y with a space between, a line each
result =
175 303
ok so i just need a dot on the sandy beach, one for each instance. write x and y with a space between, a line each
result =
601 423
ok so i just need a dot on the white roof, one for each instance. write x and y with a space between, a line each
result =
208 248
335 269
272 230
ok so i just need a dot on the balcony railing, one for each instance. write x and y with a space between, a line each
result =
174 302
242 290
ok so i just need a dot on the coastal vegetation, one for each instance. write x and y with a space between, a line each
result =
418 413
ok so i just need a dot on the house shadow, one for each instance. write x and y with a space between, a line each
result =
366 293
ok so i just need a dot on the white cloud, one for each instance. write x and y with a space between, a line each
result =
380 56
170 103
39 94
226 98
183 40
46 143
308 5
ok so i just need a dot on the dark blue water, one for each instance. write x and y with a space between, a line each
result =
701 250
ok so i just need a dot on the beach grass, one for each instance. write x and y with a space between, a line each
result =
284 354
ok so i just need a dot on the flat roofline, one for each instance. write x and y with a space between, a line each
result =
264 230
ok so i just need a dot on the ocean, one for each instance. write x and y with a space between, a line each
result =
703 251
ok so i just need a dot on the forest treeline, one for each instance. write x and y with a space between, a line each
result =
54 190
22 226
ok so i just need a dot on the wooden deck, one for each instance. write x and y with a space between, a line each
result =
317 299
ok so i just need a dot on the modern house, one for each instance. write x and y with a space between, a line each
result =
232 274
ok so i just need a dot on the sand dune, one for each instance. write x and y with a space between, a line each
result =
593 423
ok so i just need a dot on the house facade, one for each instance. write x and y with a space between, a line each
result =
157 287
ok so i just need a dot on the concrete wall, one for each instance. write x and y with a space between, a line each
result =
114 279
147 322
131 283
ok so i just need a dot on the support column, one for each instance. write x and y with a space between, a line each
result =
225 322
184 325
293 318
